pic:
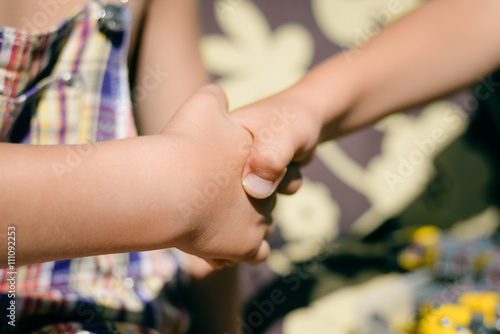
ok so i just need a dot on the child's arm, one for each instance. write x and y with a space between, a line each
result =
169 47
170 43
444 45
178 189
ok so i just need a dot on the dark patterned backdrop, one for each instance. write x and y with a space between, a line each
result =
325 275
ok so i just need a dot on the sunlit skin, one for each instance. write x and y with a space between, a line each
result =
144 214
440 47
444 45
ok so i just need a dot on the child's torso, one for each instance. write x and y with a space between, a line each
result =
45 14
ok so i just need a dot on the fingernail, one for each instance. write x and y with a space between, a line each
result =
257 187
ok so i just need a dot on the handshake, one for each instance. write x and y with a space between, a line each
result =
232 167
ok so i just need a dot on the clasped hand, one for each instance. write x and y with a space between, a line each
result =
258 144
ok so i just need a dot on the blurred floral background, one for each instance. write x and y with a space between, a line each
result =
339 262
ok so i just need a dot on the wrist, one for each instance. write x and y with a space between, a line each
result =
147 186
169 176
330 92
307 119
294 119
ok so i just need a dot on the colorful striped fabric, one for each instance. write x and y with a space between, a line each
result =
70 86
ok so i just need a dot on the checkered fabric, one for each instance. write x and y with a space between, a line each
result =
70 86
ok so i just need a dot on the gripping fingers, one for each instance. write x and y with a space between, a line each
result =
261 255
292 180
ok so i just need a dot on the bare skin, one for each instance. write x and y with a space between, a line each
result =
26 14
117 199
132 220
177 23
440 47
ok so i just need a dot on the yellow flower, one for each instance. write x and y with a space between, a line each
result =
350 23
307 220
253 60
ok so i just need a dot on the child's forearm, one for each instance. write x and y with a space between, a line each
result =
444 45
73 201
439 47
180 189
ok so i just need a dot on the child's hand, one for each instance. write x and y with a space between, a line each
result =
222 222
285 136
181 188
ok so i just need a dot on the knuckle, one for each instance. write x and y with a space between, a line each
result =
250 248
269 231
206 100
268 161
213 88
213 94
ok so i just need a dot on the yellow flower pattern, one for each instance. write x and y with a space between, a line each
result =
253 60
256 62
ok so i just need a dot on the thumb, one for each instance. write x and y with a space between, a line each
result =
265 168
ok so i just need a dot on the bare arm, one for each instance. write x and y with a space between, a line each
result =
170 45
73 201
443 45
137 194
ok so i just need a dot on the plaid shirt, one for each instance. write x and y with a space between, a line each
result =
70 86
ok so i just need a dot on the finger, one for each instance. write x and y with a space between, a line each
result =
269 231
217 92
198 267
219 263
264 170
228 263
209 262
306 158
268 157
261 255
292 180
